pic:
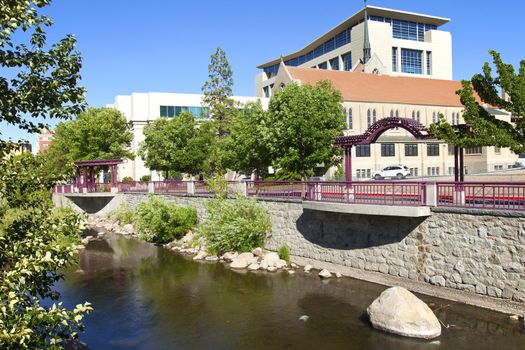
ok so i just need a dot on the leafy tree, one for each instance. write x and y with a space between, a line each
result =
177 144
218 91
37 79
302 124
245 147
33 247
481 128
98 133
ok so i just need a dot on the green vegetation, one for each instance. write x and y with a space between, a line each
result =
303 122
98 133
177 145
238 224
482 128
284 253
124 215
160 221
127 179
35 242
145 178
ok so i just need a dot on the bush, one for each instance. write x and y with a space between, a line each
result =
127 179
161 221
145 178
284 253
239 225
124 215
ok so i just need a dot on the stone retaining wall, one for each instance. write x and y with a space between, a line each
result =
482 253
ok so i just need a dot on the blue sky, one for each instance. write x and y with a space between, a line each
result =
165 45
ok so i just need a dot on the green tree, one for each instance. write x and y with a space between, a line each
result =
302 124
177 144
245 148
33 248
218 91
98 133
37 79
481 128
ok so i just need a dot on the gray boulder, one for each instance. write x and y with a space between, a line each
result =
400 312
242 261
271 259
325 273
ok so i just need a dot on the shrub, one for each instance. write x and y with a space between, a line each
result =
124 215
127 179
284 253
238 224
161 221
145 178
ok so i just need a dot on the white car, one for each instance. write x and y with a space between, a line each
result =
393 171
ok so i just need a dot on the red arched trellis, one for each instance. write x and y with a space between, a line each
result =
418 130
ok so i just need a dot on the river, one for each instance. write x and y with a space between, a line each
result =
148 297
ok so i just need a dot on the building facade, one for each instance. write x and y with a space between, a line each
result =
142 108
43 140
400 44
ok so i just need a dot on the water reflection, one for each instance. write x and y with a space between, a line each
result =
147 297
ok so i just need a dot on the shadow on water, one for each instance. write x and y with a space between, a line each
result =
347 231
147 297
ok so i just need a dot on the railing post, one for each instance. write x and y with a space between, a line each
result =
244 188
190 189
431 194
151 187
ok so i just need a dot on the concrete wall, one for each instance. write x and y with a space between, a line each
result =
479 252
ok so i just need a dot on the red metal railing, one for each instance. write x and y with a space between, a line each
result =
275 189
173 187
99 187
485 195
201 188
133 186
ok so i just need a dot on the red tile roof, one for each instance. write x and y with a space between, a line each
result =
365 87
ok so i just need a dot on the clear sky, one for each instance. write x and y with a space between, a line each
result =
165 45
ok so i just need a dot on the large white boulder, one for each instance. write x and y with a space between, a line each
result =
243 260
400 312
271 259
324 273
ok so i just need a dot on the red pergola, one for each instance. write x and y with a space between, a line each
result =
418 130
86 171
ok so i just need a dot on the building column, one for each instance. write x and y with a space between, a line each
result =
348 163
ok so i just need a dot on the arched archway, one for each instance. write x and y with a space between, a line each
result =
418 130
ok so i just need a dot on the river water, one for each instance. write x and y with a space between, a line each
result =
147 297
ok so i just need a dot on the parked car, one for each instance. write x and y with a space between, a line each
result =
392 171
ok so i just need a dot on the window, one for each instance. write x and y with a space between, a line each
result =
450 150
498 167
451 170
414 171
414 115
435 117
497 150
473 150
429 57
391 113
411 150
334 63
374 116
362 151
323 65
433 171
266 91
397 113
418 116
369 117
363 173
172 111
433 149
411 61
388 150
350 119
405 29
347 61
394 59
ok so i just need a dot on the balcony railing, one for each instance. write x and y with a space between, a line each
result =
133 186
172 187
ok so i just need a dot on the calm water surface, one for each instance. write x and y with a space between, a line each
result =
147 297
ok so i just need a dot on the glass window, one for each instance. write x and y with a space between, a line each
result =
369 117
397 113
334 63
163 111
414 115
450 150
433 149
391 113
323 65
388 150
418 116
374 115
347 61
171 111
394 59
411 150
266 91
362 151
411 61
473 150
429 57
405 29
350 119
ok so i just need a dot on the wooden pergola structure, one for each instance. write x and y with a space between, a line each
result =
85 172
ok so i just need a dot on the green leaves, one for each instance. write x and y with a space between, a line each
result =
301 126
483 129
39 82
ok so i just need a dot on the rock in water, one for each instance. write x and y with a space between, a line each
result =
398 311
325 273
242 261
